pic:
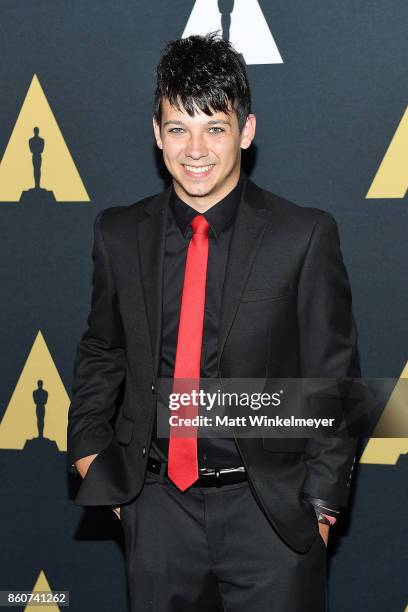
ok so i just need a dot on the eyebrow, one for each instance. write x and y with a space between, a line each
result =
211 122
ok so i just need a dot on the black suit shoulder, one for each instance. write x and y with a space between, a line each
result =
297 218
276 203
124 213
116 220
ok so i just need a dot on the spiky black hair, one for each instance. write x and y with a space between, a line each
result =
203 72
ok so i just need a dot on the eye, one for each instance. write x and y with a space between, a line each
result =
218 130
177 130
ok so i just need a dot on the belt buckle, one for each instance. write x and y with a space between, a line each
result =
216 474
209 475
217 478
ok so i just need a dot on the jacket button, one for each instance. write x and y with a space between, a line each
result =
144 451
153 388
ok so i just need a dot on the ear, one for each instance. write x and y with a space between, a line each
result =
248 131
157 133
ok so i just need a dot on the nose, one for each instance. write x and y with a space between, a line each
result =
196 147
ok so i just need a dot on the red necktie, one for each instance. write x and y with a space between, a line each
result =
182 456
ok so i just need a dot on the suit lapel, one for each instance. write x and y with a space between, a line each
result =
249 227
151 234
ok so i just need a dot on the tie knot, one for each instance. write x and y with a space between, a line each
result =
200 225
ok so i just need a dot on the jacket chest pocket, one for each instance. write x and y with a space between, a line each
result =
276 292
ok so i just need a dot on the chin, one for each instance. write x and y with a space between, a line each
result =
195 193
194 189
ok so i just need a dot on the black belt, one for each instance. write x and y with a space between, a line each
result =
208 477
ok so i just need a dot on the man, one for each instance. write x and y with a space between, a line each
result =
214 277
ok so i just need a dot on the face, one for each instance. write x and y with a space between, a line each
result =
202 153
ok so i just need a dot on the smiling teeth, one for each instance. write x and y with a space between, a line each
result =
200 170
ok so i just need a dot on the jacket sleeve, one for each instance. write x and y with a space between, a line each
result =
100 362
328 349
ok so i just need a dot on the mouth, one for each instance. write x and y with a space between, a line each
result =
198 171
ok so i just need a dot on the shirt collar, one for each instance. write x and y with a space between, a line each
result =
218 216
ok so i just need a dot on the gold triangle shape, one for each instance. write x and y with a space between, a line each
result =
42 585
391 179
386 451
20 422
58 171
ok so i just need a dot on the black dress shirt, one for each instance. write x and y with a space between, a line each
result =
211 451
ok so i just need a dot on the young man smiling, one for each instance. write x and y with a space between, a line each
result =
214 277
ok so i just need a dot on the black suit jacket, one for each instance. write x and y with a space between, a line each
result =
286 312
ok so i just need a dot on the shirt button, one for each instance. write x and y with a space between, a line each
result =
153 388
144 451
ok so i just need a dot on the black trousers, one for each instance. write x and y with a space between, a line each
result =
212 549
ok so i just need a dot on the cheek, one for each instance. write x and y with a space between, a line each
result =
225 150
172 150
